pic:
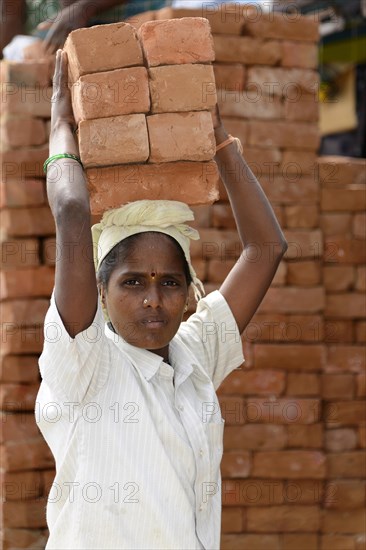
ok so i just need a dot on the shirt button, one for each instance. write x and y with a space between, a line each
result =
201 452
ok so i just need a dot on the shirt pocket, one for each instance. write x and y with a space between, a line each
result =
215 435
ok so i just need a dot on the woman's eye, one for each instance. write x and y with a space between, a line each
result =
131 282
170 283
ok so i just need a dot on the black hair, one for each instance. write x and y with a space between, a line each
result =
125 247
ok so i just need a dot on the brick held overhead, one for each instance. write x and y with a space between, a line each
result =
111 93
102 48
113 140
176 41
194 183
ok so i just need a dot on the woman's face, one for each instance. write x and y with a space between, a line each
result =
147 293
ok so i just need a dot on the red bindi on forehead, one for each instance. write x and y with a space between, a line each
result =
153 274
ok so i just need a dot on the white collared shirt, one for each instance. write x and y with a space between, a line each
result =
137 442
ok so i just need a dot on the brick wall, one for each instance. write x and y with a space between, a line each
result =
294 463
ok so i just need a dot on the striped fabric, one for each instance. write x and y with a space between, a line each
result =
137 442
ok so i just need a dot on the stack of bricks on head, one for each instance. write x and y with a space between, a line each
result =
142 103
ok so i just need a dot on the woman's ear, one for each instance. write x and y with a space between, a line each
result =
102 293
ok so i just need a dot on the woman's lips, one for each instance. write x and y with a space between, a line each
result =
153 323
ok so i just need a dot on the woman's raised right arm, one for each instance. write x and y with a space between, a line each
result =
75 281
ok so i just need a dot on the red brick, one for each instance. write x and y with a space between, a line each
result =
114 140
21 485
249 104
290 356
19 253
289 83
254 437
23 340
285 328
21 192
361 331
251 493
285 26
252 541
202 216
338 278
25 514
362 436
338 331
217 244
23 162
18 427
28 222
302 216
344 439
304 273
284 519
23 538
289 464
224 18
18 396
26 100
303 244
305 109
21 131
230 77
29 454
295 542
346 359
299 54
18 368
359 225
27 282
361 385
236 464
281 191
282 410
112 93
338 171
222 216
26 73
293 300
25 312
181 136
345 521
298 162
187 87
337 542
219 269
303 491
346 305
265 382
236 49
351 464
361 279
343 413
337 386
305 436
352 198
345 494
194 183
302 384
237 127
263 161
176 41
102 48
335 224
284 134
232 520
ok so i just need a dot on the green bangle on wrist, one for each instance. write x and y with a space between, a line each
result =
61 156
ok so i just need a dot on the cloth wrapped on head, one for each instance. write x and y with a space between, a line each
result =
161 216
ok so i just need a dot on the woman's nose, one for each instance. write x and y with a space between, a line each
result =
153 298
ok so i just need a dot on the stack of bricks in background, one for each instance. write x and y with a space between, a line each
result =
26 281
145 132
293 467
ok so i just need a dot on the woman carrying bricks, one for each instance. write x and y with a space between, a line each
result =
129 406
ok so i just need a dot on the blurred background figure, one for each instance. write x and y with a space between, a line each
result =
53 20
342 67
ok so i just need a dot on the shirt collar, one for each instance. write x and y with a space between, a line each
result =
145 361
